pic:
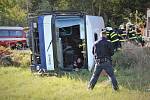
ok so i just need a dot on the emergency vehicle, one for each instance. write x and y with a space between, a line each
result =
51 32
12 37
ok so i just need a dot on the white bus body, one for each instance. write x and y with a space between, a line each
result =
50 33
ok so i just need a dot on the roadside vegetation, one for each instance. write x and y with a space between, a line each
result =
114 12
17 58
131 68
21 84
132 65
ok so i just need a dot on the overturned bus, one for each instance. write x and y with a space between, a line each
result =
55 33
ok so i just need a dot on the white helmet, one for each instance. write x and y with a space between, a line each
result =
121 27
109 28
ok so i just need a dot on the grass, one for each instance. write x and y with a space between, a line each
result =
132 71
21 84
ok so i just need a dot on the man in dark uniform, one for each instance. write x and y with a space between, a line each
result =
102 51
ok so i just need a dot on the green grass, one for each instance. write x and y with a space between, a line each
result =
21 84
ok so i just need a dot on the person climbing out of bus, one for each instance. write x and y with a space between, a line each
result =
68 53
78 63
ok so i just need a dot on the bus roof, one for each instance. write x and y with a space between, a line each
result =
10 28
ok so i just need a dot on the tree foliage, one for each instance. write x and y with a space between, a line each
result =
13 12
113 11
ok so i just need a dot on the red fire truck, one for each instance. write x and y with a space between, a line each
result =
13 37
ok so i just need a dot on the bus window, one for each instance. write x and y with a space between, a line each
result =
16 33
4 33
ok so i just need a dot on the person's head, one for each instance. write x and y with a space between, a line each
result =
104 34
109 29
79 60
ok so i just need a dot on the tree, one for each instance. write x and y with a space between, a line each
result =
13 12
17 15
113 11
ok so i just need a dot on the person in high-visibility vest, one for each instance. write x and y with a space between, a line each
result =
115 40
139 37
123 34
132 33
108 35
113 37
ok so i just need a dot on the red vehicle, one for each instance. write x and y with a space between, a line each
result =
13 37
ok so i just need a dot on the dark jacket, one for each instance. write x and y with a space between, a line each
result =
103 49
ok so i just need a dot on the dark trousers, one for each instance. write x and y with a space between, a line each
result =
109 70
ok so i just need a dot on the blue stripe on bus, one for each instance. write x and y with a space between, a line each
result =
41 41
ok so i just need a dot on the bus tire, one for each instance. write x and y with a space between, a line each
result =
19 45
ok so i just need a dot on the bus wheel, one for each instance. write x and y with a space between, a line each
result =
19 45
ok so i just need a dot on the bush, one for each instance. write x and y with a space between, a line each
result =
21 58
17 58
4 51
133 67
5 56
125 59
131 56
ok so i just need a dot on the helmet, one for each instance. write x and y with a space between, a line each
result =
121 27
109 28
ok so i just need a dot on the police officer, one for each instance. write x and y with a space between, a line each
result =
102 51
